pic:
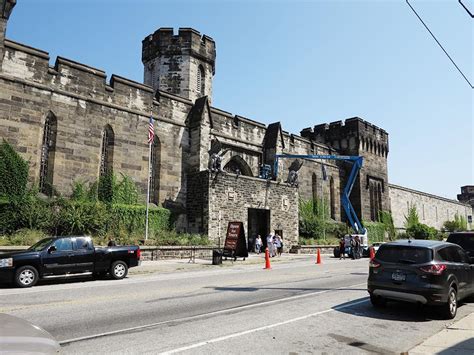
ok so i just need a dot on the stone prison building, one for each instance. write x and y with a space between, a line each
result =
71 123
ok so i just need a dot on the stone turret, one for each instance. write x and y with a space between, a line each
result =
354 136
6 7
181 64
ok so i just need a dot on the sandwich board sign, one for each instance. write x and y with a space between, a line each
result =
235 244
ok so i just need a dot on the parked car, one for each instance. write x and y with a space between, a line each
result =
60 256
465 240
421 271
18 336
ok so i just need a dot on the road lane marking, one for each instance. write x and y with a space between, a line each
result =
250 331
204 315
286 279
160 277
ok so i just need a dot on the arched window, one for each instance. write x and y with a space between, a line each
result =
107 151
332 197
47 154
200 80
155 161
239 166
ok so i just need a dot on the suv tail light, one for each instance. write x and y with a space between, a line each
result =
434 269
374 264
139 254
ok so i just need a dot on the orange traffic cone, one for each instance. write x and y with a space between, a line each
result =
318 257
371 253
267 259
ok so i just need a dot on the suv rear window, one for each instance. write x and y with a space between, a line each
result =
465 240
404 254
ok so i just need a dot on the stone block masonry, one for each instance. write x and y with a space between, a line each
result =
230 197
432 210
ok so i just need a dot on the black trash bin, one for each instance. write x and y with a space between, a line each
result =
216 257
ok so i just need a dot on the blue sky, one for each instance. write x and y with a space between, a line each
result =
301 63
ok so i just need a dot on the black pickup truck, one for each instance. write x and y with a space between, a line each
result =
64 256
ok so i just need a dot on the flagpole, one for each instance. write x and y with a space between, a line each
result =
150 143
148 192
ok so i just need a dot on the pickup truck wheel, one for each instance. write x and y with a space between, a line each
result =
26 276
118 270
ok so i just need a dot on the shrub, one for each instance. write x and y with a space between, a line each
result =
132 219
421 231
26 237
13 172
459 224
76 218
125 191
314 218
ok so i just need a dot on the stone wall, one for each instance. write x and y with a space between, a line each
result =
230 197
432 210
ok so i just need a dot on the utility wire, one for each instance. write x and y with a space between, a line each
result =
439 44
465 8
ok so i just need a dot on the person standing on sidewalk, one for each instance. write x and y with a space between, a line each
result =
342 249
258 244
270 244
277 243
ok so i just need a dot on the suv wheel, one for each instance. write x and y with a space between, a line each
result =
118 270
378 302
26 276
450 309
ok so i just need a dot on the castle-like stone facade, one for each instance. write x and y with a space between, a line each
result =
71 124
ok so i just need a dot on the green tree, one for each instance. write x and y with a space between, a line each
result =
412 218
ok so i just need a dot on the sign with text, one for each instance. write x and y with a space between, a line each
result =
235 244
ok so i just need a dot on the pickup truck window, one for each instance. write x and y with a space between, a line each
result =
63 244
83 243
40 245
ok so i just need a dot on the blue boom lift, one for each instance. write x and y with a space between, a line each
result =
345 201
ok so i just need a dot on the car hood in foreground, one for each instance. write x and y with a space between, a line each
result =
18 336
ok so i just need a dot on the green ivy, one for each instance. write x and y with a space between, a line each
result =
13 172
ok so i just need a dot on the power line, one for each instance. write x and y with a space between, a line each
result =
439 44
465 8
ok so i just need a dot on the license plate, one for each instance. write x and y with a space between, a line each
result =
396 276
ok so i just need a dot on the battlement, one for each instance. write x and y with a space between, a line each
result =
68 77
188 41
351 126
337 134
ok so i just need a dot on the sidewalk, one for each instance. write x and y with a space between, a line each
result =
182 265
458 338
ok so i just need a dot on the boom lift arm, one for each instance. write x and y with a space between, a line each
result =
346 203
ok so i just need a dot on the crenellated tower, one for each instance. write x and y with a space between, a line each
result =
6 7
354 136
182 64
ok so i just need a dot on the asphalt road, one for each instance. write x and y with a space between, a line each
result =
296 307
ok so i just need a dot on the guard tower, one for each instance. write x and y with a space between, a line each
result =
181 64
355 136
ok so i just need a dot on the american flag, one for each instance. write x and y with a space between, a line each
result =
151 131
